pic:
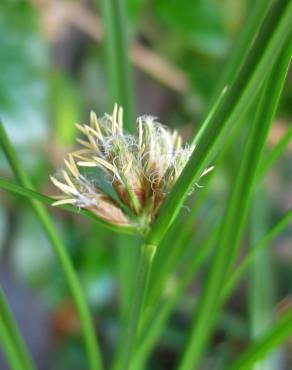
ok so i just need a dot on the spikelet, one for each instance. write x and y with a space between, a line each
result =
142 169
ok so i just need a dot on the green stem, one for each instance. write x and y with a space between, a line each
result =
276 335
11 352
127 250
159 317
140 288
7 317
260 292
91 344
235 277
275 153
117 47
167 259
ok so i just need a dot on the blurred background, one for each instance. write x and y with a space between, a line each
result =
53 72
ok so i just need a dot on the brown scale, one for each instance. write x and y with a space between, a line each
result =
109 210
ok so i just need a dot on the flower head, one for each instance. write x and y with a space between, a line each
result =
139 170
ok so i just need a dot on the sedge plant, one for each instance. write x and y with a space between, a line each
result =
136 183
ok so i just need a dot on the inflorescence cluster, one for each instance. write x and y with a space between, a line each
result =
139 170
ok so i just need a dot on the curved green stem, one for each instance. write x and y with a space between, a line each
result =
91 344
10 350
7 317
140 288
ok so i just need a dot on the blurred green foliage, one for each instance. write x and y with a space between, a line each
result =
24 65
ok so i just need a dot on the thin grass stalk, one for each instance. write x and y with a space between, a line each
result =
7 317
9 348
168 263
166 257
188 256
130 336
180 232
275 153
235 216
242 268
90 340
117 58
260 282
127 257
278 333
266 48
157 322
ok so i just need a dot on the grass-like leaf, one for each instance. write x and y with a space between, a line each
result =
131 331
233 221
